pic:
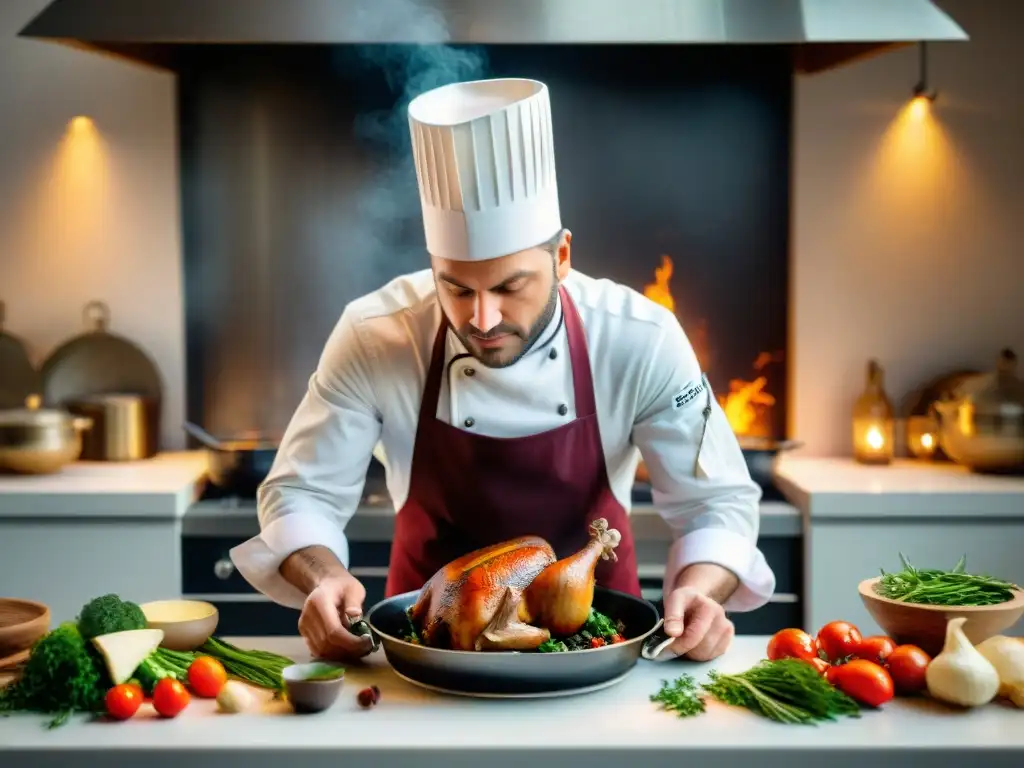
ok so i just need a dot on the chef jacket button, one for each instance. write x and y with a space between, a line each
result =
563 409
469 371
553 353
469 422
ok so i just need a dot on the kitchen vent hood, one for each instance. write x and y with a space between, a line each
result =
821 33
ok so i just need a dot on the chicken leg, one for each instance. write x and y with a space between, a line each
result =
561 595
506 632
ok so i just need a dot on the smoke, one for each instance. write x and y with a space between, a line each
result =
385 230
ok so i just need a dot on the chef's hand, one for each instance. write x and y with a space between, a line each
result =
326 615
698 623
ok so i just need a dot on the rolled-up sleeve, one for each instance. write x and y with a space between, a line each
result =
317 478
700 482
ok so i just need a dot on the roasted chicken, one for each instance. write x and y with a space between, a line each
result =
513 595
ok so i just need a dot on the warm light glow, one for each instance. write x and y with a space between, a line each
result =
928 440
747 406
70 215
920 108
917 177
874 439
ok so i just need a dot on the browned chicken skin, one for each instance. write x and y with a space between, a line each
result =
512 595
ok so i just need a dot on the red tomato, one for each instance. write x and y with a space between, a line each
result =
206 676
907 665
617 638
838 640
123 700
832 673
792 644
865 682
170 697
821 665
597 642
876 648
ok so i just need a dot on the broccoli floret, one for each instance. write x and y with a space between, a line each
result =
109 613
61 676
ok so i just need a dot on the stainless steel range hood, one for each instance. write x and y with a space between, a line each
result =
822 33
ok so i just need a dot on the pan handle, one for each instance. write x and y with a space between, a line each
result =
361 627
656 643
202 436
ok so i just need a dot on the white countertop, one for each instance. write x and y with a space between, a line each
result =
160 487
412 726
840 487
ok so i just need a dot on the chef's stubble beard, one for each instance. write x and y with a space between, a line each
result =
531 337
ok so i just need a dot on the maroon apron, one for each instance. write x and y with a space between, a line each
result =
469 491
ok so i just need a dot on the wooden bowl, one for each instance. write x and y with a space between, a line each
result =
925 625
22 622
187 624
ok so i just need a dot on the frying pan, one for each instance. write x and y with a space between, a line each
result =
514 673
236 467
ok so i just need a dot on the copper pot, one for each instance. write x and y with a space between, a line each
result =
126 427
39 441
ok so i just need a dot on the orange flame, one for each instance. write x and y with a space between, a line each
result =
747 406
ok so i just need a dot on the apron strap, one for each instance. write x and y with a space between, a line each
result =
579 358
582 380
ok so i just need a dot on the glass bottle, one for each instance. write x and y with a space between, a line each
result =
873 432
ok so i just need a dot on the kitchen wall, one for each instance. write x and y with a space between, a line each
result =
89 212
907 231
906 242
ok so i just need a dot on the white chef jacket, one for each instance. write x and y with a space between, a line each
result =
364 399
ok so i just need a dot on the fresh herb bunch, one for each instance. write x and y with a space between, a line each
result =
62 676
261 668
680 696
785 690
932 586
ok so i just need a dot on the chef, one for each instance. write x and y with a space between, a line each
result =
506 393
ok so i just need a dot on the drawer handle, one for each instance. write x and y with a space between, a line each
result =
223 569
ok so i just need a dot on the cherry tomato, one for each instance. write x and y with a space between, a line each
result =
123 700
832 673
206 676
839 640
596 642
876 648
617 638
792 644
864 681
170 697
820 665
907 665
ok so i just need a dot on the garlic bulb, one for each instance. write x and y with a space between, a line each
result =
960 674
1006 654
235 697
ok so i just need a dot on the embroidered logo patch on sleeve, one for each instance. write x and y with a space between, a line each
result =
689 393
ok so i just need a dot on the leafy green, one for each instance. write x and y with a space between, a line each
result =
785 690
932 586
62 676
552 646
596 625
680 696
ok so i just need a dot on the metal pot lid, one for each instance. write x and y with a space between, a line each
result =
18 377
999 393
98 362
31 415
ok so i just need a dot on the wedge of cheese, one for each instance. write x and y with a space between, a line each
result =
125 651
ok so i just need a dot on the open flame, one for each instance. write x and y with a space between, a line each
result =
746 405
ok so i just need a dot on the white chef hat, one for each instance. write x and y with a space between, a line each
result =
485 163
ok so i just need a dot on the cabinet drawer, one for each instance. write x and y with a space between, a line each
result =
206 566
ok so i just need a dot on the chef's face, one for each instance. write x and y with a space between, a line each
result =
500 307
